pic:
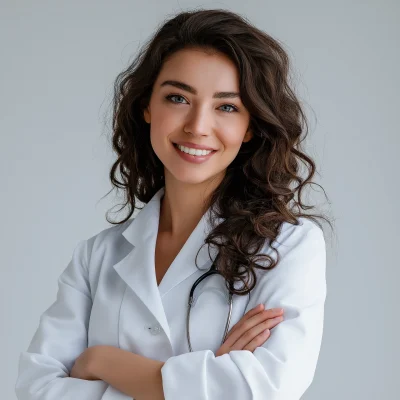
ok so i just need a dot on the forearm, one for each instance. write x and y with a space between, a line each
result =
132 374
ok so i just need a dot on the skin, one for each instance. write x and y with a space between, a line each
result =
221 123
140 377
197 118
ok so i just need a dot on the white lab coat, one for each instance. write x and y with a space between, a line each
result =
108 295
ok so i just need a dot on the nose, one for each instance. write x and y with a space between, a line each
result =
199 122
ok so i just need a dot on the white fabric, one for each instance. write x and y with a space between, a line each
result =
108 295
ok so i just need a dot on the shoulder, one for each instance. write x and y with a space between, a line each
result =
300 273
108 238
307 233
299 247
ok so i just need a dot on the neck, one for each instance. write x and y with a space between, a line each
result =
183 205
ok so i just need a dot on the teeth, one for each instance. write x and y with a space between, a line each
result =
194 152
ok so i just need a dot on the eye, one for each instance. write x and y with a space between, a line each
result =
230 105
171 96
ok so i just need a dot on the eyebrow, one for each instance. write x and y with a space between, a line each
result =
191 89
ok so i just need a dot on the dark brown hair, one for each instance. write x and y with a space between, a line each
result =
262 187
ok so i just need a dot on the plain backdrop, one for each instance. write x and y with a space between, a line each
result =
59 60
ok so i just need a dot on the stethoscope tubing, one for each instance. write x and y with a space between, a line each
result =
211 271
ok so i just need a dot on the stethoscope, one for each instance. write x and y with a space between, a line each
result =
211 271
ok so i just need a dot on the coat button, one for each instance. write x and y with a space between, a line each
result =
154 329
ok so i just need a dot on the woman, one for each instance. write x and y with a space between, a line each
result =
207 132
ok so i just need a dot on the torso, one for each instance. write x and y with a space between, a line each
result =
165 254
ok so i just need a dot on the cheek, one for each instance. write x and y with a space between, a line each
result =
159 131
231 140
162 127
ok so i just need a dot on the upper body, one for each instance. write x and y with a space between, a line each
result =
205 124
108 294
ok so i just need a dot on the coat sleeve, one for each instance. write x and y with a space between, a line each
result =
284 366
43 371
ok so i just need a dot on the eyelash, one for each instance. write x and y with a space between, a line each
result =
235 109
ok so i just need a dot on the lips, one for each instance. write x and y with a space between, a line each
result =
193 158
176 145
194 146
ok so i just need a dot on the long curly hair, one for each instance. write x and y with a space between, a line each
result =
262 187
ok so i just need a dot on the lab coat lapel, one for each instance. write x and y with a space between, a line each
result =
137 269
184 265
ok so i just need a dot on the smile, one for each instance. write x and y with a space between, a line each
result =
194 152
196 156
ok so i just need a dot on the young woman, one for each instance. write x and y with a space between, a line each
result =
207 132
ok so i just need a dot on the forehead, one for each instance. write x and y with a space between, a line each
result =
202 69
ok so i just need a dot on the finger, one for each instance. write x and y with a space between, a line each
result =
251 319
254 311
237 342
252 333
250 328
258 341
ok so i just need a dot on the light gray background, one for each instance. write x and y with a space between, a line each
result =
58 63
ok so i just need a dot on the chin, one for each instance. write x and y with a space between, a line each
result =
190 178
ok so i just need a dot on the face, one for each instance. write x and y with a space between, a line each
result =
185 108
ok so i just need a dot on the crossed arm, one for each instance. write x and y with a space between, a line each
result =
58 364
137 376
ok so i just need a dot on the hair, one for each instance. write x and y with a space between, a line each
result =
262 187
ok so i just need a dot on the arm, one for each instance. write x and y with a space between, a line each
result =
135 375
284 366
282 369
60 338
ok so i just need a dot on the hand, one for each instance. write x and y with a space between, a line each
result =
252 330
83 367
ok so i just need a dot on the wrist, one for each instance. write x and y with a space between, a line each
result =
99 360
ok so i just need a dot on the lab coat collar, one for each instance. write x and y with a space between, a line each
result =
137 269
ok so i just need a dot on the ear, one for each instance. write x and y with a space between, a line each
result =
247 136
146 115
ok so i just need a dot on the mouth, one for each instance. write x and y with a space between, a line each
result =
193 158
176 146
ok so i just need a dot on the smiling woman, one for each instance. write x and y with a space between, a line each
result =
207 133
197 110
